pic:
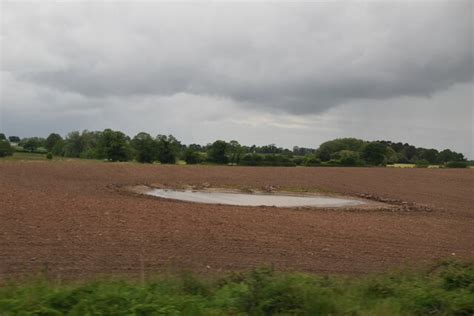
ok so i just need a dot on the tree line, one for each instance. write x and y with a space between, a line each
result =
116 146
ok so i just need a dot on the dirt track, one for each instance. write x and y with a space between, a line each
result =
70 220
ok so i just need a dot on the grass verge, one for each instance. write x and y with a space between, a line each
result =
444 289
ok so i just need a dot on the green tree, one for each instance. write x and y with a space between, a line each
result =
168 148
73 145
113 145
328 148
32 144
14 139
349 158
191 157
52 140
217 152
2 136
374 153
235 151
5 148
431 155
448 155
145 147
90 140
84 145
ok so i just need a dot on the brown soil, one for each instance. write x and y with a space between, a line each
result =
76 220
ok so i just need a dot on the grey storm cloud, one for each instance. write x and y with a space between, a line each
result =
297 58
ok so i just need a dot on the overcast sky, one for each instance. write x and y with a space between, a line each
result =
287 73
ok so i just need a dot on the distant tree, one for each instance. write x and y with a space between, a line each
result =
14 139
58 148
52 140
302 151
83 145
90 141
2 136
328 148
114 145
217 152
145 147
5 148
168 148
235 151
409 152
268 149
196 147
32 144
374 153
74 145
191 157
448 155
252 159
430 155
392 155
349 158
311 160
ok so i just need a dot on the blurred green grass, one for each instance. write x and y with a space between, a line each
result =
446 288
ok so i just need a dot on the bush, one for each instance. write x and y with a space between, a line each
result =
422 163
49 156
457 164
5 148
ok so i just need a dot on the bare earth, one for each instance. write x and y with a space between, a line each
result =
75 220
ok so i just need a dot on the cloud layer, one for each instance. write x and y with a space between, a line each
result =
265 61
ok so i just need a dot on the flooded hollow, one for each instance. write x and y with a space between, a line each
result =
245 199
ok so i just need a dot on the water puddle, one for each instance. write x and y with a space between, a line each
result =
244 199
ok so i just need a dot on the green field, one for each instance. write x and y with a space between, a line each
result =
443 289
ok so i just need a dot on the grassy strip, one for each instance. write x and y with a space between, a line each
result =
444 289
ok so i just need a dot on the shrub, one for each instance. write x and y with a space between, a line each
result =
49 156
457 164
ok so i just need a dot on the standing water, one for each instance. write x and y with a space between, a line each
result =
252 199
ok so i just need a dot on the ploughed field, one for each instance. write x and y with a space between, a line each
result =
75 219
